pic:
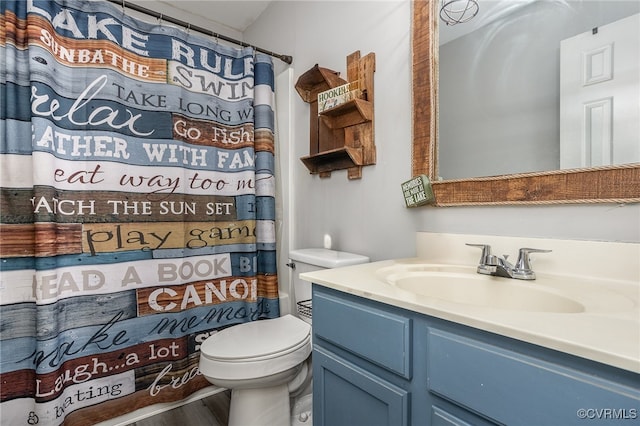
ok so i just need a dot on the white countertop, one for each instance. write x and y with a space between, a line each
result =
607 331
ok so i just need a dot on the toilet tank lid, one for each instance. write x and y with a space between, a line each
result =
327 258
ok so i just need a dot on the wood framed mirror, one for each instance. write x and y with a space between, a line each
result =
606 184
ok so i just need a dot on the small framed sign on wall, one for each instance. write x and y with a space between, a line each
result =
417 191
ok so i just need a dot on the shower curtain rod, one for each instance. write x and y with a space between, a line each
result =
284 58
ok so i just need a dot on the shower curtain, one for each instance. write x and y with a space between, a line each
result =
137 208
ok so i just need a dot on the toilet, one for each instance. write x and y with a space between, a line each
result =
265 363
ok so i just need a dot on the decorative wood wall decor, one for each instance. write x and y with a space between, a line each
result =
341 137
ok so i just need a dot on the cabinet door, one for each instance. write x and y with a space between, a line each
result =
515 389
347 395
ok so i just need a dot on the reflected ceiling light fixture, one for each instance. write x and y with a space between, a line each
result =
454 12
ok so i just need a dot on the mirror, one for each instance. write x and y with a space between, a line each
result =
511 92
619 183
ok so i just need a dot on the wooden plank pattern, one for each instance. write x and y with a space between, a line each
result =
105 238
109 53
94 206
13 30
154 300
264 141
23 320
41 239
50 385
212 134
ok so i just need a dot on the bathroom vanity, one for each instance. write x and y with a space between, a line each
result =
375 364
388 354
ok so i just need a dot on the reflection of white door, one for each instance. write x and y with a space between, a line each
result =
600 96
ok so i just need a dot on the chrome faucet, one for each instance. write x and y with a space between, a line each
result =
501 267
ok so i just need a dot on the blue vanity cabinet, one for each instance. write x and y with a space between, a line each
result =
376 364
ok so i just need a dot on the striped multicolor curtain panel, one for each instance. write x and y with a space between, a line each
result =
137 203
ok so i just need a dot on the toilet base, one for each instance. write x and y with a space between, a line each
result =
260 407
302 411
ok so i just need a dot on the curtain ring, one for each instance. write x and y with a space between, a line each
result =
123 6
160 19
188 27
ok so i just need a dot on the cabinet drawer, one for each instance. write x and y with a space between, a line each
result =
513 389
380 337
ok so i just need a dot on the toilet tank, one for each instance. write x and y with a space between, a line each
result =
313 259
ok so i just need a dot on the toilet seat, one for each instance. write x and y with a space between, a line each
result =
256 340
256 349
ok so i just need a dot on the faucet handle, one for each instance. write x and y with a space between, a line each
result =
486 258
523 269
486 250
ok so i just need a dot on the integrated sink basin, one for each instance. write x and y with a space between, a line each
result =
463 285
485 291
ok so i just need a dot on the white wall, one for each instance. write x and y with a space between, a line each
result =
368 216
360 215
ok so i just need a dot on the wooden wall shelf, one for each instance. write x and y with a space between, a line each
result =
334 159
348 114
341 137
317 80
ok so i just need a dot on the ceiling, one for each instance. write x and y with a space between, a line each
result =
238 14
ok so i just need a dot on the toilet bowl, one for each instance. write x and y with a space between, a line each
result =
258 361
266 363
